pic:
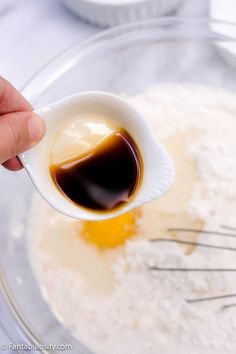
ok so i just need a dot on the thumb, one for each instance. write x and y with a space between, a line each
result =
18 132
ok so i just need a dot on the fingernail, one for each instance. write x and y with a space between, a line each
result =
36 128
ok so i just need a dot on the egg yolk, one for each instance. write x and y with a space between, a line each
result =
113 232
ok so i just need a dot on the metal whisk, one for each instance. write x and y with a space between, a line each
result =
229 233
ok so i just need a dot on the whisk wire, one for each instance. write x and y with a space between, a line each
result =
203 270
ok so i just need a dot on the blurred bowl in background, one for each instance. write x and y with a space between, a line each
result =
108 13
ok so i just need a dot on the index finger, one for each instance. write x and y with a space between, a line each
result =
11 100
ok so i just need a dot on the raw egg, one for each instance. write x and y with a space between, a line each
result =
112 232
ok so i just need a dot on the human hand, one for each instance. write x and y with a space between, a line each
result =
20 128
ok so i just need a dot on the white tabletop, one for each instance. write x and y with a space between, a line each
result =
34 31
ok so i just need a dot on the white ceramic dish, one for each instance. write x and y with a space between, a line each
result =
158 169
108 13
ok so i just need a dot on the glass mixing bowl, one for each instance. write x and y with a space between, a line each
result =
126 60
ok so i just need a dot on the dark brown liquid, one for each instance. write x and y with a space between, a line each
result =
104 178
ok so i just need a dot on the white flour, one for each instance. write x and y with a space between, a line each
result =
142 311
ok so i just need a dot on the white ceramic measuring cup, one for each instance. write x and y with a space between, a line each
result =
158 169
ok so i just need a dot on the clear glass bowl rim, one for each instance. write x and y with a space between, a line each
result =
54 68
